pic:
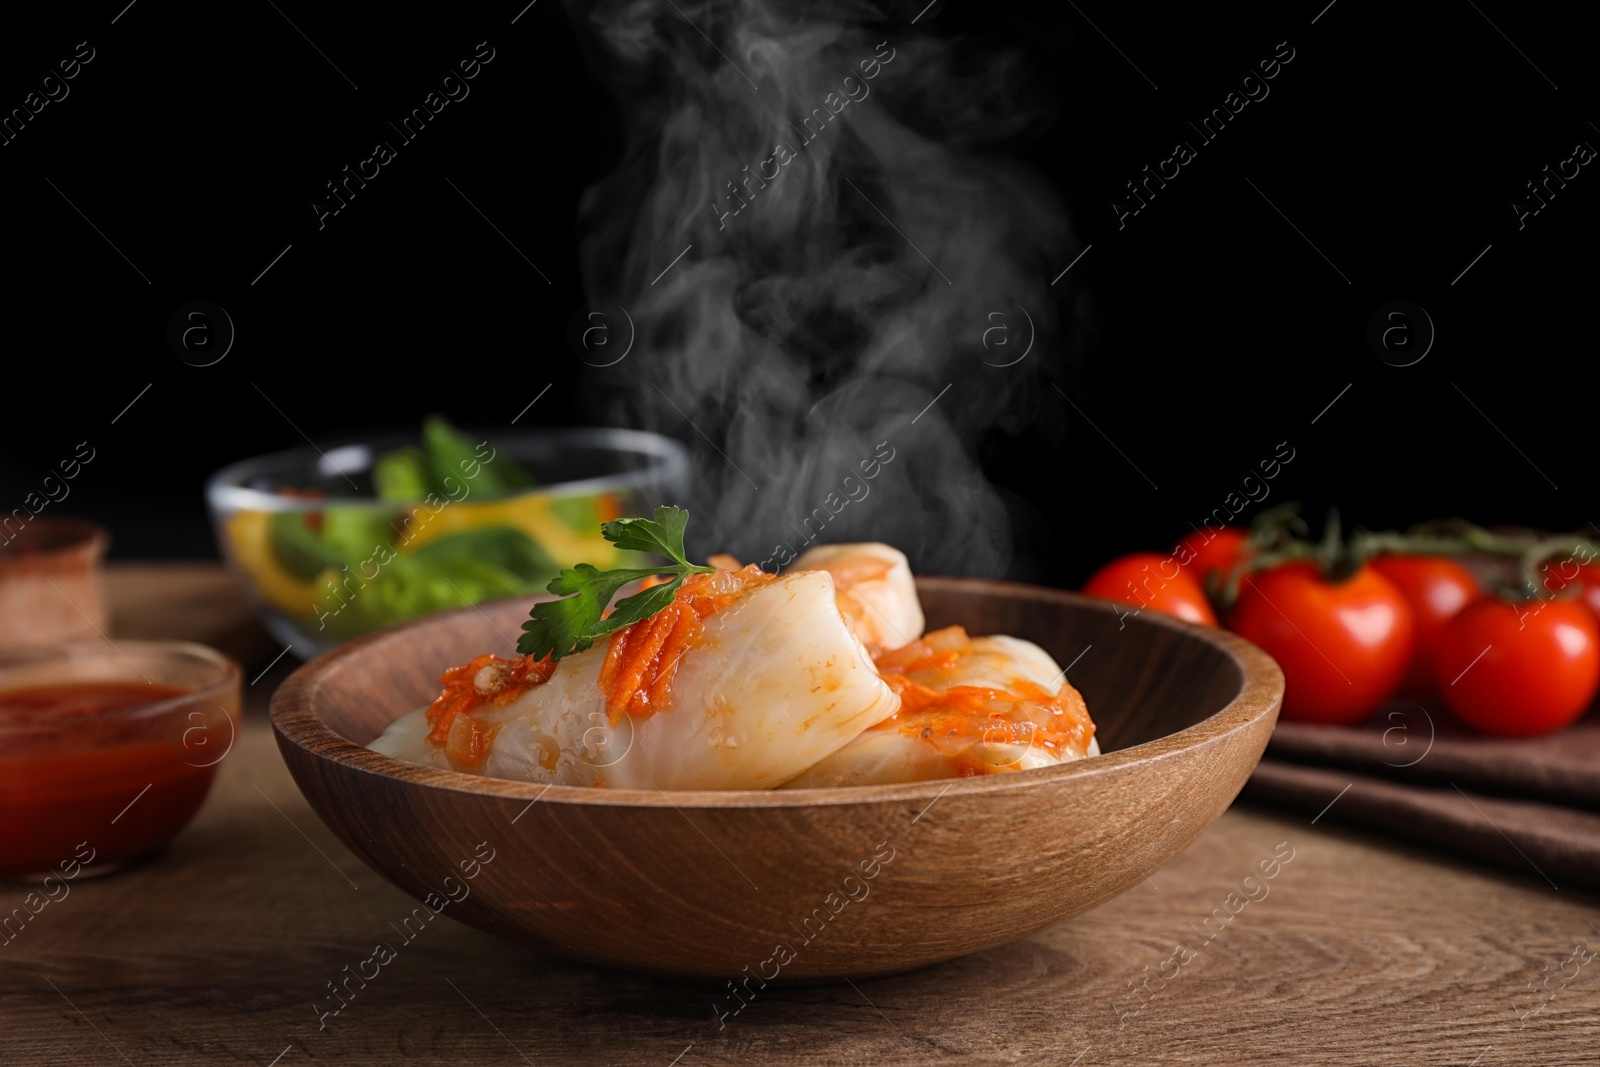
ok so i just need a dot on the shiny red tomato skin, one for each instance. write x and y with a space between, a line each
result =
1343 646
1151 580
1516 670
1204 551
1556 578
1437 588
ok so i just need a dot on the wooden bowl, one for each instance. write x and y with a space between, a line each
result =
799 884
51 586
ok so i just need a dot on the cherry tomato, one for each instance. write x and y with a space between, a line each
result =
1343 646
1558 574
1205 551
1437 588
1519 669
1151 580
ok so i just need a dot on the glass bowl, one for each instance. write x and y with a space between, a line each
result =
96 790
323 559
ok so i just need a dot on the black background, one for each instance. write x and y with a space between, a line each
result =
1395 142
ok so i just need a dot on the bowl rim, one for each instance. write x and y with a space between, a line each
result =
77 536
669 460
230 675
1260 696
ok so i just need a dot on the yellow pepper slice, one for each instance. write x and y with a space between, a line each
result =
530 513
249 540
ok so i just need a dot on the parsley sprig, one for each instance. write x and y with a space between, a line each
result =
558 628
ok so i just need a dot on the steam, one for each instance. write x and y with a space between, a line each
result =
803 331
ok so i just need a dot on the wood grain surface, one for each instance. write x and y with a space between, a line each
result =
191 601
1359 952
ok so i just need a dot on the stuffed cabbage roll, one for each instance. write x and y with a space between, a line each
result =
743 682
969 706
876 592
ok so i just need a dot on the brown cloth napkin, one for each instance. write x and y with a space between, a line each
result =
1531 806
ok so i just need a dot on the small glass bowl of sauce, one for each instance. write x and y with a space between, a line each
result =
107 751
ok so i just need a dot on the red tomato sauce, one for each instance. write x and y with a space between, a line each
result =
81 698
122 786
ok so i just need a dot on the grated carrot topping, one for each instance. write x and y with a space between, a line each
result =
462 695
643 658
960 717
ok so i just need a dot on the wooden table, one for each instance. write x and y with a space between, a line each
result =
1361 952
